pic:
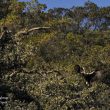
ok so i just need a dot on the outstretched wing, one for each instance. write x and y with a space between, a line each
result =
99 74
90 73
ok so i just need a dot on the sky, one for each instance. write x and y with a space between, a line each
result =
70 3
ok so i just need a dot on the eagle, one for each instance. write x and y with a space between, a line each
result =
89 77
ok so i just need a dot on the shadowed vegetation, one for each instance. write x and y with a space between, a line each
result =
37 69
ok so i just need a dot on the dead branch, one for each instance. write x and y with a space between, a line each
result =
28 31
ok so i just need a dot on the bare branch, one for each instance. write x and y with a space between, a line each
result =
27 31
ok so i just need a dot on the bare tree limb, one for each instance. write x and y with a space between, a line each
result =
27 31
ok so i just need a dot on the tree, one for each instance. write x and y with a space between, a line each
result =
104 16
34 13
92 10
11 12
4 8
78 16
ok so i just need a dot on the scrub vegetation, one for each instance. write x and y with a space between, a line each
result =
37 68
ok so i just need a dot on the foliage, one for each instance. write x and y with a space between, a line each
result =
36 70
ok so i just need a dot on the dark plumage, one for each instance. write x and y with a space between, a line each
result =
89 77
